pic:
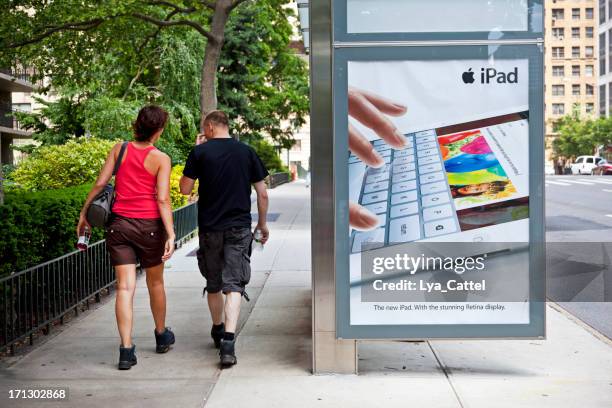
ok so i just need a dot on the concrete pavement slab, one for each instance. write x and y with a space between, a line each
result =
398 358
275 320
331 391
117 392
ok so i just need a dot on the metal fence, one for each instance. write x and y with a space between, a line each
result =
35 299
277 179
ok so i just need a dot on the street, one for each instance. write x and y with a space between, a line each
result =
579 244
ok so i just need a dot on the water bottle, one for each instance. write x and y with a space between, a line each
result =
257 244
83 241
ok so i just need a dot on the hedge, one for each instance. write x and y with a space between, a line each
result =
38 226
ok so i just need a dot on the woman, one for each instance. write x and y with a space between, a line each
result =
141 227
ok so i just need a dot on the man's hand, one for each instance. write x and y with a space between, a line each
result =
200 139
371 110
265 233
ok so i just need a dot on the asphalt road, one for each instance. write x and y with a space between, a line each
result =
579 247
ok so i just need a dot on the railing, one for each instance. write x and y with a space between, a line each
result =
276 179
24 74
34 300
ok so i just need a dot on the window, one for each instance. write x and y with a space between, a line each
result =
602 11
609 98
558 109
590 107
576 14
580 160
576 89
609 9
588 51
589 160
602 53
297 146
589 90
558 70
558 52
575 52
558 90
609 49
575 32
575 70
602 99
588 32
557 14
558 33
588 70
588 13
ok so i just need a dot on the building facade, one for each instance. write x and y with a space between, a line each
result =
12 83
571 62
605 56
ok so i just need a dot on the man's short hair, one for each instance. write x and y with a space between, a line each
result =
217 117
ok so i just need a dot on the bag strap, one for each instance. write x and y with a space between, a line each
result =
120 157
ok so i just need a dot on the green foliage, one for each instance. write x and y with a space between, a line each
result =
39 226
113 63
262 83
580 136
268 155
57 166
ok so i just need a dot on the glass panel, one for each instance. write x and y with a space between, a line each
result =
417 16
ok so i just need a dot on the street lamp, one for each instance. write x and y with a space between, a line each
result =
304 22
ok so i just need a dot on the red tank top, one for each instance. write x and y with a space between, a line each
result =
135 187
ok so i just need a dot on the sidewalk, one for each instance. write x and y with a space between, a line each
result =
572 368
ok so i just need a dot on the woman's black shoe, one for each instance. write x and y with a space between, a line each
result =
164 340
217 333
127 357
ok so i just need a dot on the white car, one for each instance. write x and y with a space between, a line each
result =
549 169
584 164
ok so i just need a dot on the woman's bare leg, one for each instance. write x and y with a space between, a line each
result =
157 296
126 286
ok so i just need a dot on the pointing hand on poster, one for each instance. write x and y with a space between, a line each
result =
371 110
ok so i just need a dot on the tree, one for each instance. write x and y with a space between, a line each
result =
579 136
104 70
80 24
261 81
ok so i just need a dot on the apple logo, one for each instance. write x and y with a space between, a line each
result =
468 77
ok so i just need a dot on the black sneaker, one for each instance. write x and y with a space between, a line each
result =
228 356
163 340
217 334
127 357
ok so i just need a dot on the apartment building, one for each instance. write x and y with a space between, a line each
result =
13 83
571 67
605 66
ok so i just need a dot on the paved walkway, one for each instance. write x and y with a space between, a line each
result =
572 368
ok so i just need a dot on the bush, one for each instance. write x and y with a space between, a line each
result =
38 226
58 166
178 199
268 155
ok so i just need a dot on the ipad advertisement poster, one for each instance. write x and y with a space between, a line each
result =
438 192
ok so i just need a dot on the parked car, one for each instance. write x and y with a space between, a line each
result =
603 168
584 164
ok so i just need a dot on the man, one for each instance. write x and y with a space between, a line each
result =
226 169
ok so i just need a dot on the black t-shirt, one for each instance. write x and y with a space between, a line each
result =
226 168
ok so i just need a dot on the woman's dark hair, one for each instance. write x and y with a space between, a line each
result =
150 119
